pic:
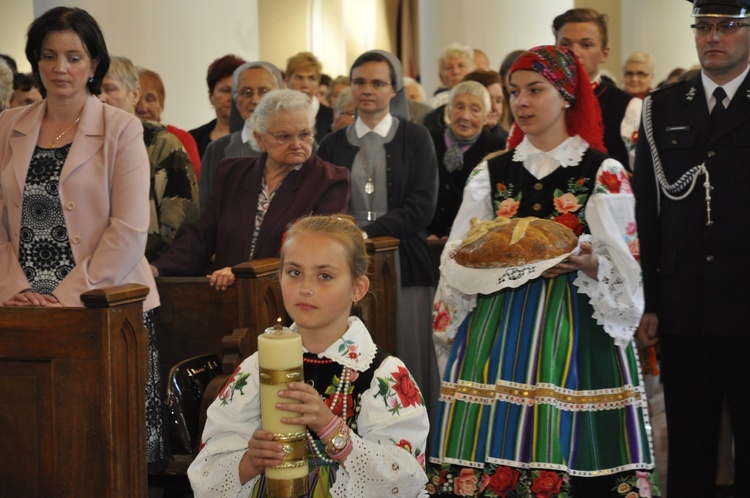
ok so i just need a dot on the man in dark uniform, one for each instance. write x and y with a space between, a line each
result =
692 193
584 31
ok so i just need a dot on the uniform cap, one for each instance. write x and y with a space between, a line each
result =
738 9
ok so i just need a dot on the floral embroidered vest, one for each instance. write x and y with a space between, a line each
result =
560 196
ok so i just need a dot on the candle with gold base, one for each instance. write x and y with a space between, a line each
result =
280 360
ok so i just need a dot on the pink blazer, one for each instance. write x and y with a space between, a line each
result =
104 187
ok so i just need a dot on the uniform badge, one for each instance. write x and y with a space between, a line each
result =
691 94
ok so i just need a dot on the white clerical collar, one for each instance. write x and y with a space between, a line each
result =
731 87
381 128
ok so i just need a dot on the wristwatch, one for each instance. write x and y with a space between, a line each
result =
339 441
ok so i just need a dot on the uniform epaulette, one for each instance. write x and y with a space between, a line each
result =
667 86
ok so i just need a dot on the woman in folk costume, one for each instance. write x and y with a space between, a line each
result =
541 392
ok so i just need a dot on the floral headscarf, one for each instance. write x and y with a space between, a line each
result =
564 71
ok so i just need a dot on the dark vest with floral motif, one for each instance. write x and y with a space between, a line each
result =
560 196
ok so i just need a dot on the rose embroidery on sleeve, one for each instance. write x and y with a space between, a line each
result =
399 391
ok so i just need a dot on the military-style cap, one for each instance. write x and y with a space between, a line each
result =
738 9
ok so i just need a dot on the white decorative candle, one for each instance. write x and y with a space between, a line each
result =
280 360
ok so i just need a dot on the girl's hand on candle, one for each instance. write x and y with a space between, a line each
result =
261 452
314 413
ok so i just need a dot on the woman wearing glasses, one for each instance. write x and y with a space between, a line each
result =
638 74
394 191
254 199
250 82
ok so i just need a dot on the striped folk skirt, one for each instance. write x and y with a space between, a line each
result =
537 401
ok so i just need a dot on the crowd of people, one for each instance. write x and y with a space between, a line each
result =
529 383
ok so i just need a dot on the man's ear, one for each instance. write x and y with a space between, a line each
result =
605 55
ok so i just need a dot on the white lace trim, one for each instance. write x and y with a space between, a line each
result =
224 478
378 470
611 298
569 153
545 465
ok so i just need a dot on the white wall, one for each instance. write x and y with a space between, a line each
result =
176 38
14 21
336 31
497 27
661 28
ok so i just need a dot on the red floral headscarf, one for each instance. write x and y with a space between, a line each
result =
564 71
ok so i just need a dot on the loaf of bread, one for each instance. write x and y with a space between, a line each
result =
503 242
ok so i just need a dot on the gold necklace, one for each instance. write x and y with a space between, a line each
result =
54 142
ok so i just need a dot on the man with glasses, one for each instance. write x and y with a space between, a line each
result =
693 213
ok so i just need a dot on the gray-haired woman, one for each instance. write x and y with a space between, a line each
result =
254 199
250 82
459 147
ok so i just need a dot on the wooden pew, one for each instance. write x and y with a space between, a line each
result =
378 309
193 317
73 383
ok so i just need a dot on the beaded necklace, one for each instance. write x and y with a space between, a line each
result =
317 361
342 387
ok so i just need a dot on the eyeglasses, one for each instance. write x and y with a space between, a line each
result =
248 93
639 74
360 84
722 28
305 136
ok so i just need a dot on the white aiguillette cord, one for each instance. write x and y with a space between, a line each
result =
687 181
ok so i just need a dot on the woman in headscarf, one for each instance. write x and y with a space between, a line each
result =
542 392
250 82
394 182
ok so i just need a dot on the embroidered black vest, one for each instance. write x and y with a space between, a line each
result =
560 196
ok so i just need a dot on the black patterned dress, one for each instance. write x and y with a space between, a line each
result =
44 249
46 258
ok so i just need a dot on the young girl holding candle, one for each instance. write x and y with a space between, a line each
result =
366 421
